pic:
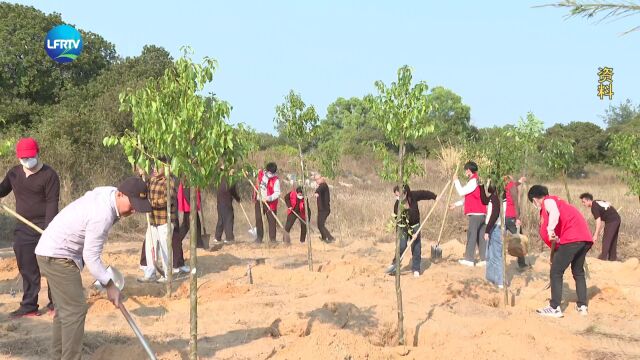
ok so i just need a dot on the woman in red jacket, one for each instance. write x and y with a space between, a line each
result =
565 231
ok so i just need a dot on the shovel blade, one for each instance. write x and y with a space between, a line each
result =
436 252
254 233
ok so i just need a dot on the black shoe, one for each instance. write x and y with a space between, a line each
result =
20 313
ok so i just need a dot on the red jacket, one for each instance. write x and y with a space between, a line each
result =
273 205
183 202
510 209
293 202
472 201
572 227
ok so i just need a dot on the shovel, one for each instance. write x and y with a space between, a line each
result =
118 280
252 230
436 250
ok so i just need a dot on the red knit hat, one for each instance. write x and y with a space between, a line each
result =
27 148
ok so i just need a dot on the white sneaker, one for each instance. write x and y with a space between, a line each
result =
184 269
500 286
175 271
582 310
145 279
161 280
416 274
465 262
481 263
551 312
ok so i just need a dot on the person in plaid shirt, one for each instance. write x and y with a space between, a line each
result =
156 236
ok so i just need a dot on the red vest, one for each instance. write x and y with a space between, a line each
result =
273 205
572 227
472 201
510 209
294 201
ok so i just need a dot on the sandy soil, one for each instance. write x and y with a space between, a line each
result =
344 309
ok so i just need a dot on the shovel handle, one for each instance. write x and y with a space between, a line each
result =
137 331
21 218
245 215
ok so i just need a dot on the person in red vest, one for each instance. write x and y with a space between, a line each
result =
476 211
269 186
565 231
295 204
512 216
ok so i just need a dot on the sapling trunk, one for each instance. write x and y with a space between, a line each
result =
193 285
306 204
398 234
169 269
566 186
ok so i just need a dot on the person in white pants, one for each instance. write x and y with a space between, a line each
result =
156 236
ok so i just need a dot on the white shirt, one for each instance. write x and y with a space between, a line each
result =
467 189
80 230
263 189
554 215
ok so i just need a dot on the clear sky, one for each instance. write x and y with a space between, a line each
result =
503 57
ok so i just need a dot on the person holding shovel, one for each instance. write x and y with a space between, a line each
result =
512 216
603 211
225 196
476 211
36 188
295 205
76 238
324 208
565 231
410 223
269 186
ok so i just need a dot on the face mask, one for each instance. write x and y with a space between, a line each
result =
398 197
269 174
29 163
300 197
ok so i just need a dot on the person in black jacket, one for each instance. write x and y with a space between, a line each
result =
409 224
295 204
493 235
225 196
36 188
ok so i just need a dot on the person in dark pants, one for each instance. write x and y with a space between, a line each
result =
36 188
565 231
410 218
184 194
225 196
269 186
324 208
604 212
512 208
295 204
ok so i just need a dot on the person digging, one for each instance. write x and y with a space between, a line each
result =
565 231
408 224
512 213
605 213
324 208
295 205
76 238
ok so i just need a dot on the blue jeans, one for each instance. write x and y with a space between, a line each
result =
494 256
416 248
